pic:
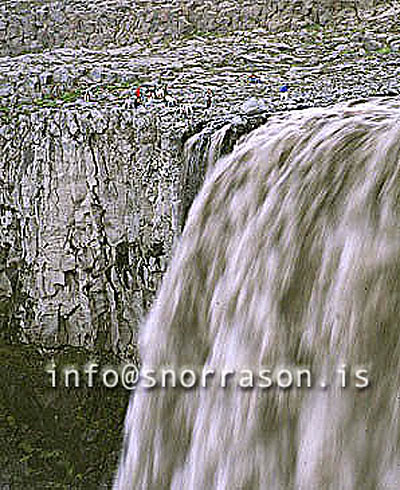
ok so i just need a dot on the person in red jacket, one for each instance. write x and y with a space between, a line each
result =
137 99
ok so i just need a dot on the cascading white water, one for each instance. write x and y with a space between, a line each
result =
290 257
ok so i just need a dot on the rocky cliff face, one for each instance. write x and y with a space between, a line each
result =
93 192
33 26
90 204
89 207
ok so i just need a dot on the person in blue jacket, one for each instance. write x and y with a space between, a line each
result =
284 92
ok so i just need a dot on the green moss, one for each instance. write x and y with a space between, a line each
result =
45 102
313 27
70 96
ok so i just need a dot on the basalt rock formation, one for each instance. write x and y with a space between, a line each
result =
33 26
90 207
93 192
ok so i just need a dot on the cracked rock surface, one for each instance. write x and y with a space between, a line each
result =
93 192
33 25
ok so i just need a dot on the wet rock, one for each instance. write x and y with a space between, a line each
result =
253 106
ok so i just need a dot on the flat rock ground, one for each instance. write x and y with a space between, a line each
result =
321 64
71 438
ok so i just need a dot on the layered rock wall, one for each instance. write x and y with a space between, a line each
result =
88 211
90 203
93 192
31 26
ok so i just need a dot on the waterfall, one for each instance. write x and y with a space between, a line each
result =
290 257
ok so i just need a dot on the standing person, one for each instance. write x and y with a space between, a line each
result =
148 96
137 98
284 92
165 92
86 94
253 78
188 110
208 98
159 93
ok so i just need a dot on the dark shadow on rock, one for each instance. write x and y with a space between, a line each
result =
57 437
